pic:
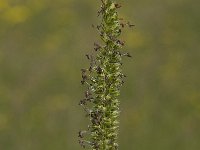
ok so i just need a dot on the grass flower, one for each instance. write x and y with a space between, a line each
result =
103 79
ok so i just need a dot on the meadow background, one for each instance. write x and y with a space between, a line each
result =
42 48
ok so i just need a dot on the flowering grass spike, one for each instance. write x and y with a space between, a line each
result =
103 80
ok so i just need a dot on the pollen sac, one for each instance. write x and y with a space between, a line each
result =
81 142
82 82
127 54
97 47
99 70
122 25
81 134
120 42
82 102
98 27
88 56
130 25
118 6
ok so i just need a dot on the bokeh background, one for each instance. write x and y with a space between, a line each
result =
42 48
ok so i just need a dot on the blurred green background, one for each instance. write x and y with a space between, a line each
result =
42 48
